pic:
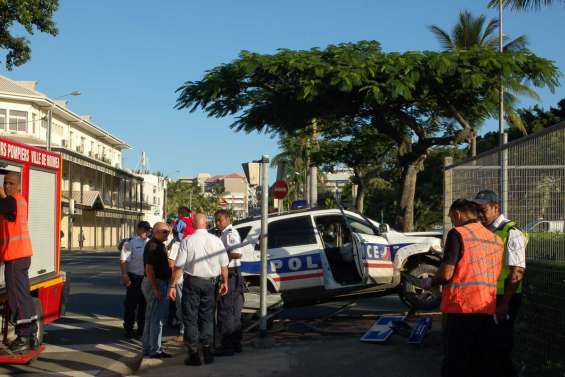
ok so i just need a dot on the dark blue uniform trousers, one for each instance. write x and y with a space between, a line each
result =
229 311
134 304
19 298
198 304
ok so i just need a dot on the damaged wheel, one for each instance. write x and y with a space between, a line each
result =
416 297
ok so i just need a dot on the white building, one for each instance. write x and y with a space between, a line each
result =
338 179
154 194
107 198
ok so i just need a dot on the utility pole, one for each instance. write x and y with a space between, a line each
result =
264 243
503 177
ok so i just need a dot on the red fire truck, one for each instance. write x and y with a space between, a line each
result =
40 172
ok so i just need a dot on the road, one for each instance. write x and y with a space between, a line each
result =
89 340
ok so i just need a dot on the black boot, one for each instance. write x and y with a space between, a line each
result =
20 345
33 342
193 359
208 355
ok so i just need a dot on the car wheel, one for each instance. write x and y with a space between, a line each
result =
416 297
39 312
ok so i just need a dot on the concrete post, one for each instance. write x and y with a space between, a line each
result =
264 243
447 194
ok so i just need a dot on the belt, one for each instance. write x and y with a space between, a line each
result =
234 269
211 280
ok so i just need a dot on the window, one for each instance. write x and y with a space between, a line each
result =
243 232
3 119
360 226
291 232
33 122
18 121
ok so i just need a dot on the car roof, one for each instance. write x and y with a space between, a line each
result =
296 213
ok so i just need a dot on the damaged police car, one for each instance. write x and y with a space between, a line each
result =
319 253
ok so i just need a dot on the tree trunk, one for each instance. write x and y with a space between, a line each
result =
360 198
406 219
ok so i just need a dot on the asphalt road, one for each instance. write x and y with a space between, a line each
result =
89 340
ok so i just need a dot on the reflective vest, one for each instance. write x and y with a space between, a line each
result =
472 289
503 232
15 242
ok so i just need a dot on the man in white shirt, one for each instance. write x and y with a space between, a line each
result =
202 258
173 245
132 268
509 285
230 305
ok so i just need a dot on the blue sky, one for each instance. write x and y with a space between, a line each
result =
128 58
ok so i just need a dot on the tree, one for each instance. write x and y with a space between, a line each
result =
360 147
524 4
30 15
190 195
417 99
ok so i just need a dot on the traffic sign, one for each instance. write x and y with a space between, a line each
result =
280 189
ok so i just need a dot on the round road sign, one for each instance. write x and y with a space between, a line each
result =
280 189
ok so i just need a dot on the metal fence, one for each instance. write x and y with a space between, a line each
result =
534 192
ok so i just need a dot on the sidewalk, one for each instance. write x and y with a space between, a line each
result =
300 350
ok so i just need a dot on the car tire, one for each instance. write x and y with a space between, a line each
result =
418 298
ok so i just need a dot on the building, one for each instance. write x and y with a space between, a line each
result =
235 192
154 194
104 201
337 179
200 179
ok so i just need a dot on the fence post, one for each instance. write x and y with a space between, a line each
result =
447 193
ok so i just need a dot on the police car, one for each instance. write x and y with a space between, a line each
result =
317 253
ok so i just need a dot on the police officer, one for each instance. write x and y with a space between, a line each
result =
132 268
15 253
468 272
509 284
230 305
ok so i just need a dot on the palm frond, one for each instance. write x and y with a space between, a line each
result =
443 37
524 4
517 44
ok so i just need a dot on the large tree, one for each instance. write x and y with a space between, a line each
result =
524 4
30 15
417 99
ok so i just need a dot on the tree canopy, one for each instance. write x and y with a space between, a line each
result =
31 15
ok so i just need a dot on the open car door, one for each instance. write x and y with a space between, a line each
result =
372 254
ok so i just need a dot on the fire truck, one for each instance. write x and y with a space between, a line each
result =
40 173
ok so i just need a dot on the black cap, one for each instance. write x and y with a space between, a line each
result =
144 224
485 197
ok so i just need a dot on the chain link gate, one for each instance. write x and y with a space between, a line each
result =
534 170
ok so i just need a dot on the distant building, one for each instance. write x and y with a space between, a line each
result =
154 194
235 192
338 179
200 179
107 199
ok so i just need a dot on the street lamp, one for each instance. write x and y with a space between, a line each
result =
74 93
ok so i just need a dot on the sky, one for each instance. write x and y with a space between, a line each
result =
128 58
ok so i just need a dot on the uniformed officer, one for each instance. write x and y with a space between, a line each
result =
132 268
509 284
230 305
203 259
15 253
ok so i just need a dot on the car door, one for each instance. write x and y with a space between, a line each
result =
371 252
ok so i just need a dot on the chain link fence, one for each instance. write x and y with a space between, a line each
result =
534 196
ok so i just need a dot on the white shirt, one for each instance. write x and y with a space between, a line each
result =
132 254
230 237
173 252
515 248
202 255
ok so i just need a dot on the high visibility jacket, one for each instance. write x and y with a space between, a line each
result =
503 232
15 242
472 289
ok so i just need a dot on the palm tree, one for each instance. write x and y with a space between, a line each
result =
524 4
471 32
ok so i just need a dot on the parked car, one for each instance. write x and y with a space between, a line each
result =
557 226
317 253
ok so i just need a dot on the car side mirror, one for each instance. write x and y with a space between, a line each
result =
384 228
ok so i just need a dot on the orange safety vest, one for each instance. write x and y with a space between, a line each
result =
15 242
472 289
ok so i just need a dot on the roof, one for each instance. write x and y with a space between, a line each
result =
91 199
12 87
230 175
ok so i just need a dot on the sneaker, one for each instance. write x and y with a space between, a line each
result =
33 342
193 359
161 355
208 355
20 345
